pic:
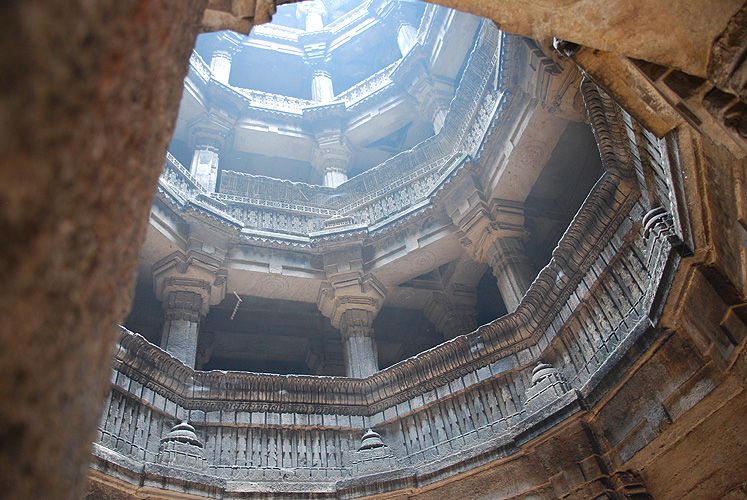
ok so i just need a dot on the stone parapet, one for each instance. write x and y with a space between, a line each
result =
287 421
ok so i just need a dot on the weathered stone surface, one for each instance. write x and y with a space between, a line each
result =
77 172
685 45
89 93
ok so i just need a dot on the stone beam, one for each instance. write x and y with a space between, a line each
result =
628 28
513 169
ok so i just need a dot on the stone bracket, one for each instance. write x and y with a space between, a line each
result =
347 291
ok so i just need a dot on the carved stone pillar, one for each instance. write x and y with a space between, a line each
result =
406 37
220 65
311 14
331 159
434 96
453 312
322 89
333 154
185 303
223 47
351 301
493 234
205 164
187 287
511 269
359 350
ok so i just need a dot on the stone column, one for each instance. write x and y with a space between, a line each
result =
223 46
351 301
220 65
187 286
434 95
331 160
360 354
332 155
205 164
311 14
185 304
494 234
508 260
406 37
322 89
453 312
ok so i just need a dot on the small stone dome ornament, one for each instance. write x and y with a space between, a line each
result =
181 448
371 440
547 385
373 455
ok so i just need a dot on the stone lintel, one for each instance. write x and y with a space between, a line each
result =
525 156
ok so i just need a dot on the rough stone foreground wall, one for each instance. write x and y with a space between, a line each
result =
88 98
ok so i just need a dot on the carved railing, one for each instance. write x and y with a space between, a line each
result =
367 87
269 30
584 310
176 178
606 208
387 191
259 99
198 64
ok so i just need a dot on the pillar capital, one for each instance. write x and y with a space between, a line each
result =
493 232
186 273
450 319
433 95
350 291
357 323
481 224
331 159
351 301
452 311
185 298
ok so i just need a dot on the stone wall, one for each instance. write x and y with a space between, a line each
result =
464 405
78 178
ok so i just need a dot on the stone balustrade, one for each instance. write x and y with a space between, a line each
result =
401 184
465 400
